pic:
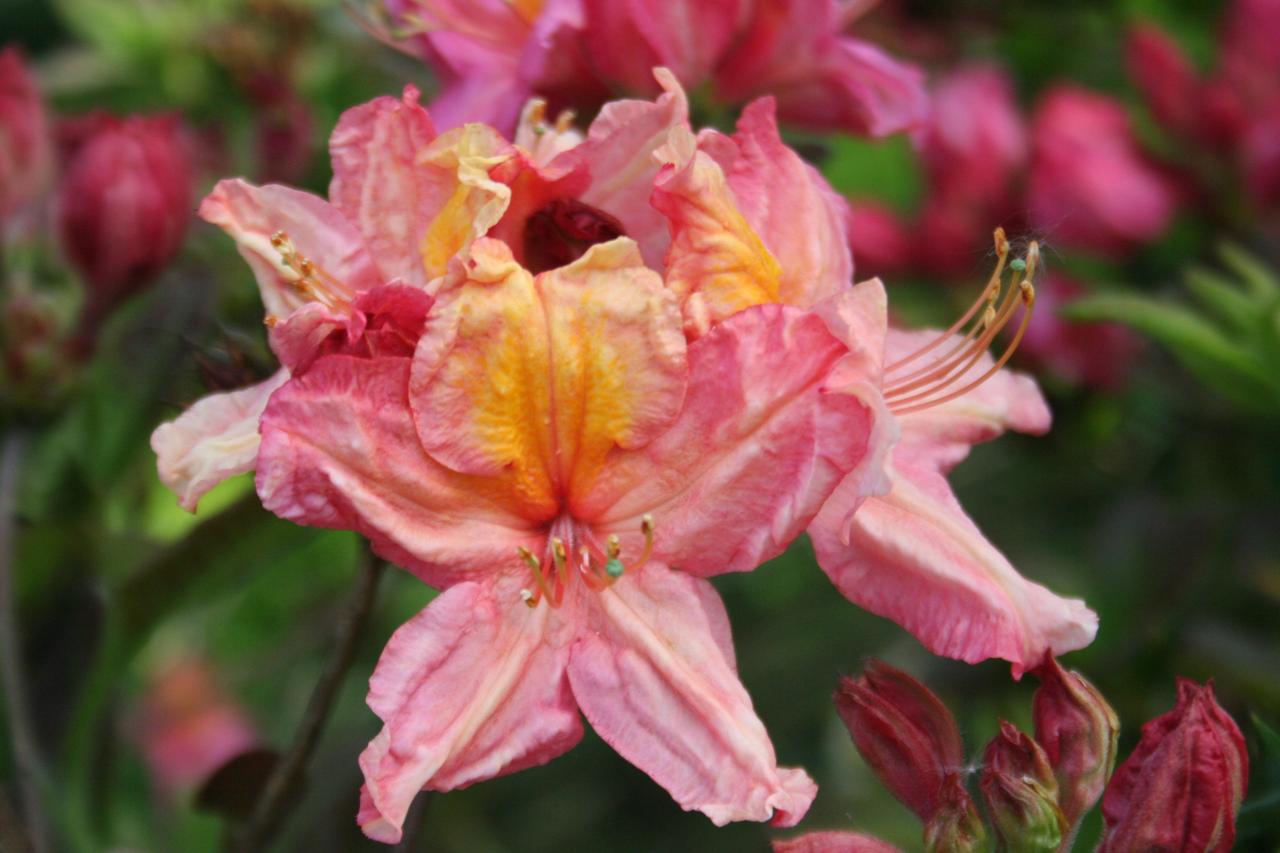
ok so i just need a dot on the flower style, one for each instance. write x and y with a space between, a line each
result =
494 55
532 375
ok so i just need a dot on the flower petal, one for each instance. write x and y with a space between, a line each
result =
653 681
759 445
215 439
318 230
472 687
378 185
801 219
540 379
339 450
834 842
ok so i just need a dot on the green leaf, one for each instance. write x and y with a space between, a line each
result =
1223 297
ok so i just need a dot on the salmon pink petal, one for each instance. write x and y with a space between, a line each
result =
538 380
215 439
802 221
834 842
472 687
619 155
318 231
339 450
378 185
653 679
716 507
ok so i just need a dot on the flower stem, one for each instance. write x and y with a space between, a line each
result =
26 753
281 790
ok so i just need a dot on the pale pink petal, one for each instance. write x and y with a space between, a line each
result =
492 96
339 450
378 185
834 842
652 679
802 221
619 156
215 439
472 687
770 383
913 555
252 215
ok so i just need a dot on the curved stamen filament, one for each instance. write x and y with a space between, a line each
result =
598 567
931 384
535 565
312 281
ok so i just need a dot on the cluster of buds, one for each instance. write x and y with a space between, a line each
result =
1180 789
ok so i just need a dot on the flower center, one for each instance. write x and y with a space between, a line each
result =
945 376
309 279
572 550
563 230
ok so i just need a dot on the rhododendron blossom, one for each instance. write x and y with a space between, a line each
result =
568 380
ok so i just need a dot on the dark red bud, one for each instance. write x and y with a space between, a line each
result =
1021 794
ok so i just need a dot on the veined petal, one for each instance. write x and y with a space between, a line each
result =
802 221
717 264
378 185
540 379
653 681
215 439
463 158
472 687
252 215
716 505
339 450
619 155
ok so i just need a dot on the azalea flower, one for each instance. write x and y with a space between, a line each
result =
494 55
534 375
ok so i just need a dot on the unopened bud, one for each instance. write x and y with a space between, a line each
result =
1181 788
904 732
1078 731
25 146
1021 793
955 827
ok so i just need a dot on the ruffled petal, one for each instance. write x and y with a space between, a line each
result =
758 447
378 185
317 230
653 681
472 687
618 154
339 450
801 219
215 439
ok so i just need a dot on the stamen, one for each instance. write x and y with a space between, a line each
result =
535 565
312 281
931 385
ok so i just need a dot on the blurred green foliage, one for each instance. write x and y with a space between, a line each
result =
1160 505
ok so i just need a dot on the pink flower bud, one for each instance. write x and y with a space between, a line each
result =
956 827
25 147
1165 77
1182 786
904 732
124 204
1090 185
976 141
1021 793
1078 731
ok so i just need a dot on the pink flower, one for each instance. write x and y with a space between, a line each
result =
834 842
1182 787
189 727
123 203
880 239
975 143
494 55
25 147
1090 186
532 378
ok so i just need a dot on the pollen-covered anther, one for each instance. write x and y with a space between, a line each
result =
946 376
310 280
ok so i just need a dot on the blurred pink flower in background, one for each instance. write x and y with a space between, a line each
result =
1093 355
493 55
124 202
26 152
975 144
1182 786
188 726
881 240
1090 186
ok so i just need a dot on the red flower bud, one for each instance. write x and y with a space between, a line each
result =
1078 730
1182 786
904 732
1165 77
25 147
1021 793
956 827
124 204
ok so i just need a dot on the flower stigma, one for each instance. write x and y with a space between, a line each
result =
598 567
